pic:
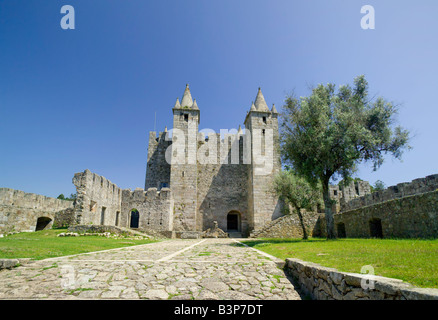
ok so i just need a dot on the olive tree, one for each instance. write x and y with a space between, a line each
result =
298 193
327 134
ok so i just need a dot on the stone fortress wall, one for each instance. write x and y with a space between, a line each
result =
155 209
21 211
98 200
408 210
417 186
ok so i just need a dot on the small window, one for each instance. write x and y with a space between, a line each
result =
335 192
264 120
186 117
263 131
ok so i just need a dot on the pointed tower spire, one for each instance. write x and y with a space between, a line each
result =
187 98
253 108
240 130
195 105
177 105
260 102
274 110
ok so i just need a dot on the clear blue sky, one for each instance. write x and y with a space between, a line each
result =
86 98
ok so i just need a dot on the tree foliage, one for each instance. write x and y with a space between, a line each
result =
327 134
297 192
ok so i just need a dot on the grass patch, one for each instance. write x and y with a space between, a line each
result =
45 244
411 260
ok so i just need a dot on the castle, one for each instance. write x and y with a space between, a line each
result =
193 182
216 178
196 182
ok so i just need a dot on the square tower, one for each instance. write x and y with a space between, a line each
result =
262 124
183 167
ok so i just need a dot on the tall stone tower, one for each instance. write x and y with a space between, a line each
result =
265 162
183 172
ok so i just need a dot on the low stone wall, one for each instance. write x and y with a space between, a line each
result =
323 283
20 211
103 229
288 226
12 263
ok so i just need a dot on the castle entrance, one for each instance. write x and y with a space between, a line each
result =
135 217
233 221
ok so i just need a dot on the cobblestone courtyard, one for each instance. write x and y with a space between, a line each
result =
172 269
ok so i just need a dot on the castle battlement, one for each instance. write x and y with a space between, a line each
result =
415 187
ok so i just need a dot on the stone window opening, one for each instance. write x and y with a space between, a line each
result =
93 206
117 218
264 120
186 117
102 216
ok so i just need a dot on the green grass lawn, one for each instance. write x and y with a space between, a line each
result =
414 261
45 244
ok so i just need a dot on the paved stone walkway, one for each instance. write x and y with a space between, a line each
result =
173 269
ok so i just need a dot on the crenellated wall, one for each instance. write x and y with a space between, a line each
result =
155 208
20 211
417 186
408 210
98 200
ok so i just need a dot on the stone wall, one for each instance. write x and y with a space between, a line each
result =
21 211
98 200
289 226
222 187
155 208
417 186
323 283
158 170
413 216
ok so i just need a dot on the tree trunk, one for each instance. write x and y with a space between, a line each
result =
330 223
300 216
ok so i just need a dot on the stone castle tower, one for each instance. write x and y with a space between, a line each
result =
224 178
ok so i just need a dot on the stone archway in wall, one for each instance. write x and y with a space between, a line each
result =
43 223
234 221
134 219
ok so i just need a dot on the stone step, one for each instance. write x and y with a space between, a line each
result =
235 234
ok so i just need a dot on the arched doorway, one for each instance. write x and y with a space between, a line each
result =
233 221
42 223
135 217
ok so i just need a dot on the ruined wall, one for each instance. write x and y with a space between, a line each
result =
289 226
158 170
19 211
155 208
98 200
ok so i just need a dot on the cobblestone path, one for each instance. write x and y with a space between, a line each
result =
172 269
